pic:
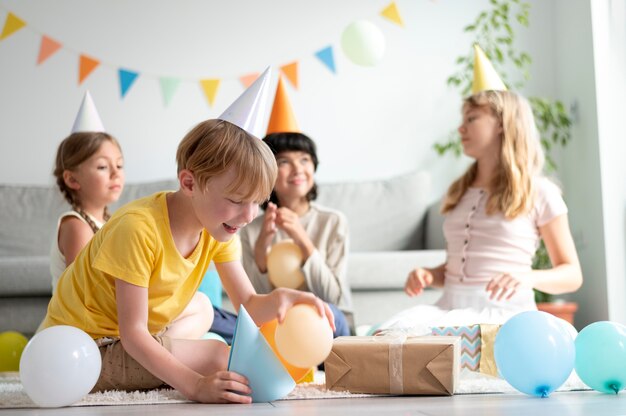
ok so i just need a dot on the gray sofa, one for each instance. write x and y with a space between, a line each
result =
393 227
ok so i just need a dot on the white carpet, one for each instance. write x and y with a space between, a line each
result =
12 394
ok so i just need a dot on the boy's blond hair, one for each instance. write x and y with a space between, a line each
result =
214 146
520 160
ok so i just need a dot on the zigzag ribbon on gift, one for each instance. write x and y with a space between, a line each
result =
470 343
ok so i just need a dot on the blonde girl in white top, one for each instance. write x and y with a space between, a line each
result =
496 215
89 173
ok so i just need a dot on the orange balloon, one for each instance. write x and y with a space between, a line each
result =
268 330
304 338
284 265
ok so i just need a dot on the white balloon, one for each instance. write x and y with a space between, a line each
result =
59 366
363 43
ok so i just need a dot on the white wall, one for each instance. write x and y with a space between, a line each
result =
368 122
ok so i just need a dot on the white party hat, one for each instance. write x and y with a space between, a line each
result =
87 118
249 110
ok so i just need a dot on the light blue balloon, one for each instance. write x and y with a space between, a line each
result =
534 353
601 356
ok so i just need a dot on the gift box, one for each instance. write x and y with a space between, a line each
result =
477 343
389 364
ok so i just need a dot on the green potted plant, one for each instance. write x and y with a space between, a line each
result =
494 30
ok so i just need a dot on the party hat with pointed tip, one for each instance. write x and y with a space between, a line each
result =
87 118
282 119
249 109
485 76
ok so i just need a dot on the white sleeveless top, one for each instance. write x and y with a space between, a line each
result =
57 259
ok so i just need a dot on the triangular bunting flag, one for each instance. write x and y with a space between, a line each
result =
127 78
85 66
47 48
11 25
391 12
210 86
169 85
291 72
247 80
326 56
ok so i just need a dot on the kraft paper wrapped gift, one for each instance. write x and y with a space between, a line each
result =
389 364
477 342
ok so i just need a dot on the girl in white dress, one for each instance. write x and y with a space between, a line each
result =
496 215
89 173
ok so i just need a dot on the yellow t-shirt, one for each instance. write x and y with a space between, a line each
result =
135 246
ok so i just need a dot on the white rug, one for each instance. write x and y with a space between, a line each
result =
12 394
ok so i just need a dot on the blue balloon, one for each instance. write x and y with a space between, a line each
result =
601 356
534 353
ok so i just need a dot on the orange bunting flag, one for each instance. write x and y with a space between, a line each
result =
86 66
47 48
247 80
210 86
11 25
291 73
391 12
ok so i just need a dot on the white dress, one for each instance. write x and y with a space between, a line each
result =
480 247
57 259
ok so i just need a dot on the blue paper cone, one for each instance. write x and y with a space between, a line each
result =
252 357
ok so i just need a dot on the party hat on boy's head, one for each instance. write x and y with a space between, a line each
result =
485 76
282 119
249 110
87 118
252 357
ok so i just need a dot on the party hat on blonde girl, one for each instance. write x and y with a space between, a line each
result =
485 76
248 111
282 119
87 118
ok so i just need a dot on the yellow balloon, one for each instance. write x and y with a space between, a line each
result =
11 346
304 339
284 265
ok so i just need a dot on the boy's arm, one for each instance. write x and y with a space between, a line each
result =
264 308
132 311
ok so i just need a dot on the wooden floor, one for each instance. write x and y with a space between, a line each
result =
566 403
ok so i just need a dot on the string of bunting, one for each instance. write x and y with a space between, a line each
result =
87 64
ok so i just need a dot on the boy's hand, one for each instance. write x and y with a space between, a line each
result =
287 298
222 387
417 281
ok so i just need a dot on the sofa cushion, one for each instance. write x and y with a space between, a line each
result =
388 270
382 215
25 276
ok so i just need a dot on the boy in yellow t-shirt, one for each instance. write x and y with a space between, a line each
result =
131 287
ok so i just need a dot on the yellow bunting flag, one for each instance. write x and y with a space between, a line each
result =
86 65
210 86
247 80
391 12
47 48
11 25
291 72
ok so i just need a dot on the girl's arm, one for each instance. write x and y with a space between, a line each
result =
565 276
217 387
74 234
259 279
264 308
